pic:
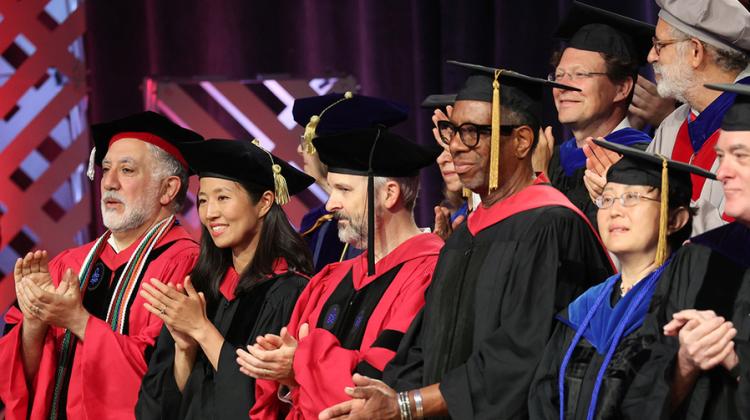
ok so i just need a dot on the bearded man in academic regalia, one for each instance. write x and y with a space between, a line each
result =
706 41
79 341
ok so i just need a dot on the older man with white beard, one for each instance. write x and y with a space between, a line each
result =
696 42
80 339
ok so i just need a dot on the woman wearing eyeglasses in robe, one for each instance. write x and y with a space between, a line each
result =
598 345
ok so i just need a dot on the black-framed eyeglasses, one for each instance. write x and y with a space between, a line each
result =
658 44
469 133
627 199
559 75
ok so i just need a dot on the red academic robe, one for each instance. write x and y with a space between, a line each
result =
107 366
343 340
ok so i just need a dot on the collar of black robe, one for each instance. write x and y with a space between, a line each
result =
373 152
593 29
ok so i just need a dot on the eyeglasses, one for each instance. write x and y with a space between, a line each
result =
628 199
574 76
468 132
658 45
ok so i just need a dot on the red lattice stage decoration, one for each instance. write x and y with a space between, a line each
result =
44 201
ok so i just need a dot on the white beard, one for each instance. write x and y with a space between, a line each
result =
134 215
676 79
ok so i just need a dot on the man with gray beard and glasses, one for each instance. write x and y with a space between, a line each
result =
80 339
696 42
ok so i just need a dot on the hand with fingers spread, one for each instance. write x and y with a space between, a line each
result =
543 151
34 266
647 106
183 311
443 225
272 357
371 399
439 115
61 307
598 161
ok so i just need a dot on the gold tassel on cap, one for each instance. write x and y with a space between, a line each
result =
279 183
281 191
661 247
307 145
312 125
495 139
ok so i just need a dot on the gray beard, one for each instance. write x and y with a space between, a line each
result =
134 214
675 85
354 235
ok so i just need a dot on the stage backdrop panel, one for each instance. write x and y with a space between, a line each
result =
45 200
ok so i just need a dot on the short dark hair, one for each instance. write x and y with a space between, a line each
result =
678 198
516 112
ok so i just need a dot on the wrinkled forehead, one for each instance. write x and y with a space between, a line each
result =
575 59
477 112
346 180
130 149
732 140
663 29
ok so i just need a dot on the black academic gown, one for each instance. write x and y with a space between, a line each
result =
713 272
225 393
490 309
581 373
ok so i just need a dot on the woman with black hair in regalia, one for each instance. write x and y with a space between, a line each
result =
598 346
251 269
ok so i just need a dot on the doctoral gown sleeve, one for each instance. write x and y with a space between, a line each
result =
159 397
236 392
649 394
24 400
544 400
404 372
558 260
323 368
123 356
267 405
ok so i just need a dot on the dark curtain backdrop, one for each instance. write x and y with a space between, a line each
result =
395 48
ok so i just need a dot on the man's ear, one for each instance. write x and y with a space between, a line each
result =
170 187
391 193
697 53
523 141
624 88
